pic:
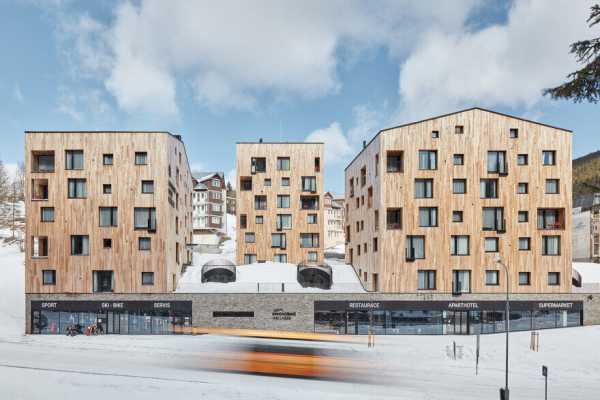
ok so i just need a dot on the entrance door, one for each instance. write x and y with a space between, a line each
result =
457 323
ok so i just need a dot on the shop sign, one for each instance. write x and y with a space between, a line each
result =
280 315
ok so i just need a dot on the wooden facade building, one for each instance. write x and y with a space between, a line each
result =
279 203
106 212
433 205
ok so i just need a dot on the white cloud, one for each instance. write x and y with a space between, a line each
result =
501 65
337 146
84 105
234 52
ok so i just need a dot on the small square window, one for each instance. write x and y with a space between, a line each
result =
107 159
491 244
523 188
491 278
47 214
523 216
524 243
457 216
459 129
459 186
268 182
513 133
522 159
552 186
435 134
553 278
250 237
107 243
147 278
144 243
458 159
258 219
285 181
141 158
311 218
524 278
148 187
49 277
107 188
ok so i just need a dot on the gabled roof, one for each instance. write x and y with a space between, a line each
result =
202 176
447 115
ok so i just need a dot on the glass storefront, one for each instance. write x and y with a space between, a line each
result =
437 322
126 320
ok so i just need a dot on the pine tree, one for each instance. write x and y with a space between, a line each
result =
583 84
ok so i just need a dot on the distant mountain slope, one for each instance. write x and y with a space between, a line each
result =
586 175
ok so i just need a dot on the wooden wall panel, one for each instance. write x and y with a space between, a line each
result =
81 216
302 157
483 131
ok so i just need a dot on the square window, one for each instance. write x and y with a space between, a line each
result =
459 129
107 243
267 181
258 164
394 218
457 216
549 157
423 188
283 163
524 243
147 186
108 216
435 134
144 243
550 245
459 186
524 278
522 159
458 159
47 214
426 280
258 219
280 258
491 278
74 159
553 278
459 245
147 278
76 188
513 133
312 256
552 186
311 218
107 188
141 158
427 159
48 277
283 201
250 237
523 188
394 161
491 244
523 216
80 245
107 159
285 181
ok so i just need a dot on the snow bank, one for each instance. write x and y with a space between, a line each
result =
12 291
590 272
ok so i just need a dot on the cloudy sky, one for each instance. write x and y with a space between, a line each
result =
335 71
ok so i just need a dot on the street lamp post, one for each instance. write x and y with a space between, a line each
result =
506 325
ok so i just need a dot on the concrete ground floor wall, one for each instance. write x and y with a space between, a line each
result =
296 312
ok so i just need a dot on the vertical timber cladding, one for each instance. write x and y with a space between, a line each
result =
302 163
483 131
165 152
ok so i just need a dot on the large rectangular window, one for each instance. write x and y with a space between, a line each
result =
488 188
39 245
428 216
309 202
283 221
459 245
245 183
550 218
144 218
415 247
260 202
250 258
461 281
493 219
76 188
426 279
283 163
74 159
496 162
309 240
80 245
283 201
491 244
103 281
309 184
394 218
550 245
427 159
423 188
280 258
108 216
43 161
395 161
278 240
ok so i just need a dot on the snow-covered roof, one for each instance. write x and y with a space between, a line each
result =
202 176
200 186
269 277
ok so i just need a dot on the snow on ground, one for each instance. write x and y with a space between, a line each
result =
590 277
399 367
